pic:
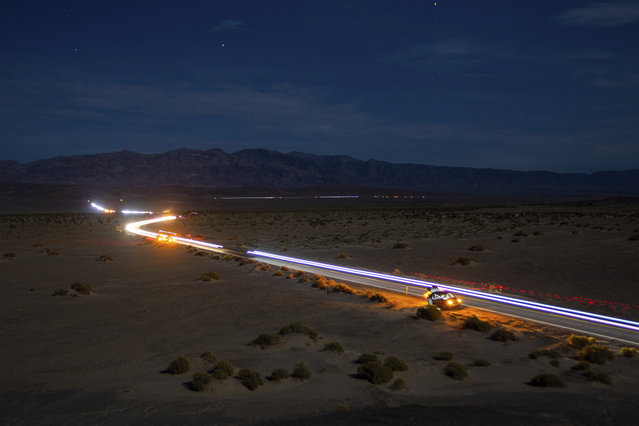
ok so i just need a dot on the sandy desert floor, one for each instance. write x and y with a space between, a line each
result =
102 357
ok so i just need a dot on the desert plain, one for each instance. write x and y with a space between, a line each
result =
99 353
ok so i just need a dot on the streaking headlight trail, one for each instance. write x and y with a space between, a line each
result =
134 228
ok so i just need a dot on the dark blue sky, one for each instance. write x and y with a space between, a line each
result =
523 85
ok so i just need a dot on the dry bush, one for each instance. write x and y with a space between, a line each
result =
503 335
456 370
579 342
222 370
83 288
598 376
249 378
400 246
444 356
343 288
208 357
547 380
290 276
464 261
374 296
200 381
208 276
480 363
580 366
266 340
375 372
595 354
299 328
278 273
201 253
342 255
301 372
395 363
477 247
279 374
61 292
428 312
51 251
179 365
335 347
628 352
105 258
474 323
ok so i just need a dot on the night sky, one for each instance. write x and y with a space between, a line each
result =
524 85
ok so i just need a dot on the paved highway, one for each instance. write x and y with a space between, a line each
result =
606 327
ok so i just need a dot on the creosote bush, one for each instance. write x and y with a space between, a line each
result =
249 378
480 363
200 381
428 312
208 357
375 372
265 340
547 380
343 288
279 374
456 370
61 292
374 296
278 273
444 356
335 347
596 354
474 323
343 256
598 376
503 335
580 366
366 357
208 276
464 261
299 328
578 342
301 372
83 288
179 365
628 352
395 363
222 370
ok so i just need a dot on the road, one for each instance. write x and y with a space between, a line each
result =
582 322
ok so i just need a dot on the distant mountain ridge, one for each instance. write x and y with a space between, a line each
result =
258 167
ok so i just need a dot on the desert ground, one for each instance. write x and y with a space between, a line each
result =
92 317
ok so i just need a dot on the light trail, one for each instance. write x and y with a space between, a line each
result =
102 209
134 228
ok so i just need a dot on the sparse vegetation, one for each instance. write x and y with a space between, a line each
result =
266 340
464 261
249 378
299 328
278 273
83 288
554 362
595 354
200 381
628 352
474 323
222 370
366 357
343 256
208 276
301 372
503 335
395 363
179 365
61 292
208 357
105 258
598 376
547 380
335 347
279 374
579 342
428 312
444 356
375 372
480 363
456 370
580 366
343 288
374 296
51 251
477 247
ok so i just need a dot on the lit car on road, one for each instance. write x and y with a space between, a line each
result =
166 236
443 300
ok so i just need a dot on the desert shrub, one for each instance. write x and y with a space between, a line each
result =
279 374
290 276
227 257
335 347
216 257
480 363
554 362
320 282
222 370
9 255
464 261
456 370
298 327
105 258
200 381
278 273
265 340
375 372
343 288
503 335
581 365
179 365
474 323
444 356
303 280
395 363
366 357
301 372
400 246
201 253
546 380
299 273
249 378
397 385
477 247
550 353
595 354
83 288
374 296
628 352
428 312
51 251
598 376
208 357
579 342
208 276
343 256
61 292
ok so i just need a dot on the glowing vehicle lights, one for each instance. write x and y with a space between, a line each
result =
102 209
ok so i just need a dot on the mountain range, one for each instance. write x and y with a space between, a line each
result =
263 168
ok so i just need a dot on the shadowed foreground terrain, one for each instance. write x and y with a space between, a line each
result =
98 350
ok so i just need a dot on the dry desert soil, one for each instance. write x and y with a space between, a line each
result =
91 318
